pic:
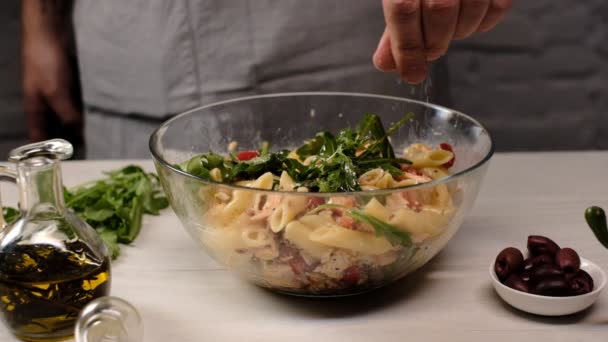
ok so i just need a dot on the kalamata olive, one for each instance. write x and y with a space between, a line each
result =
581 283
525 275
509 261
538 260
543 271
568 260
538 245
516 282
554 285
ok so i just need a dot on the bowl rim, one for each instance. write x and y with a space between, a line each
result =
598 287
484 160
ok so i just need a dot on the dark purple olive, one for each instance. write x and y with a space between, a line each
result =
541 272
538 245
581 283
509 261
525 275
554 285
568 260
516 282
538 260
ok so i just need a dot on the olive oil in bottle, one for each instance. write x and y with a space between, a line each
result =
52 264
43 288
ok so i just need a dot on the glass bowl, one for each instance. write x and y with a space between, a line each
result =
302 253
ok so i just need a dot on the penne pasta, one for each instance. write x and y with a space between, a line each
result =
286 236
352 240
432 158
299 234
377 210
288 210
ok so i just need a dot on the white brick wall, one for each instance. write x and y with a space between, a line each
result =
539 81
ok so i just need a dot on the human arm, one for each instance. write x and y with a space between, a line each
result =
50 76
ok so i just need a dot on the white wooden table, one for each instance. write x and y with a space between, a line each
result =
184 296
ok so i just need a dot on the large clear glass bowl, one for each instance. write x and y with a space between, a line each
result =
218 216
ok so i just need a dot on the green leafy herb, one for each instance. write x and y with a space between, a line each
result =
393 234
114 205
111 240
336 161
372 130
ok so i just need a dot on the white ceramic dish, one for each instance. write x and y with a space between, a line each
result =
552 306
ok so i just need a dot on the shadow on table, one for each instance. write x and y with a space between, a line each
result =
379 299
491 295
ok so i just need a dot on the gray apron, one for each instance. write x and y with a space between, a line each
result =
142 61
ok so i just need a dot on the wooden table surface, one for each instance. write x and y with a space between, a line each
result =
184 296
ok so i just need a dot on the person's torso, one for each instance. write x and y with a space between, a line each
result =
158 57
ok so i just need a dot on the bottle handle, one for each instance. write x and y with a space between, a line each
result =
57 149
6 174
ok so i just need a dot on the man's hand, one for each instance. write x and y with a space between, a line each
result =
420 31
50 82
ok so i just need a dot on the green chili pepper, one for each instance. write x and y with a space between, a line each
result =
596 219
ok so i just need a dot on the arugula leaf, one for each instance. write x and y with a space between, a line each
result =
399 123
371 127
115 205
329 146
111 241
195 167
341 174
392 233
311 147
337 161
379 142
98 215
128 233
158 203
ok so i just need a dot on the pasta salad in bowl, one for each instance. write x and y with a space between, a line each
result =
306 194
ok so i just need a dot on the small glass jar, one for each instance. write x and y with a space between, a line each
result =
109 319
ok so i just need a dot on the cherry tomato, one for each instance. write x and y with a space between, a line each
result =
247 155
448 147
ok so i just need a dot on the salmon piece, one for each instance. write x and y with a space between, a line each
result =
346 221
272 202
420 178
343 200
314 202
413 200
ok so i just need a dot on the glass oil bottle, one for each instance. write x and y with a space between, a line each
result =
52 264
